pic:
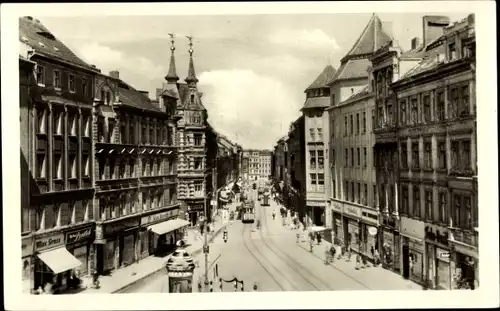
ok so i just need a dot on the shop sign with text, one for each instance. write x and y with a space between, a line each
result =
155 217
120 226
43 243
78 235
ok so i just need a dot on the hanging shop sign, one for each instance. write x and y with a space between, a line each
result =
372 231
78 235
44 243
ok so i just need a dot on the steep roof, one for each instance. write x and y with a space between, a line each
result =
323 78
355 63
33 33
358 95
133 98
371 39
429 62
317 102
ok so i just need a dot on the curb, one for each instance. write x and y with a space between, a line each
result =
124 288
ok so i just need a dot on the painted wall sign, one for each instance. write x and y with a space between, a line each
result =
435 235
27 246
337 206
155 217
49 242
78 235
352 210
412 228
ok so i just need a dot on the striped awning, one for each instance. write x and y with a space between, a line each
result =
59 260
168 226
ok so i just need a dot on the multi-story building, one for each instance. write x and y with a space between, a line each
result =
259 162
296 186
432 120
351 191
191 138
279 169
135 174
245 165
56 142
316 133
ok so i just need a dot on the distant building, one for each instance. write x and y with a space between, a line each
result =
259 164
296 168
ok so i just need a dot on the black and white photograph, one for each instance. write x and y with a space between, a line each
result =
250 155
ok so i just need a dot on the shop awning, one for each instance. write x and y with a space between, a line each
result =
168 226
59 260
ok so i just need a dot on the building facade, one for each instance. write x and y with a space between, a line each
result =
259 164
316 138
135 173
436 132
296 180
56 142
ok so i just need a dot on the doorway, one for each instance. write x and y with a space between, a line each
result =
100 258
406 262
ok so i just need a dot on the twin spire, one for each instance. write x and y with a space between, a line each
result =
172 72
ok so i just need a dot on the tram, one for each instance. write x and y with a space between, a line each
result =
248 211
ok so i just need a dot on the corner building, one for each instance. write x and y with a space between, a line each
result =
135 175
55 113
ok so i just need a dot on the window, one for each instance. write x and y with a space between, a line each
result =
364 122
374 198
41 166
103 96
352 125
414 111
352 157
58 173
443 208
440 106
468 217
357 123
345 126
111 127
454 155
346 191
414 156
402 118
427 108
442 155
102 168
404 155
359 193
144 134
131 133
333 157
72 165
466 160
311 134
373 119
40 75
86 125
197 139
71 83
151 167
85 165
321 159
452 52
364 157
312 159
405 200
198 162
389 114
464 107
56 213
108 98
427 155
416 201
380 116
41 126
453 104
321 179
84 87
365 194
57 79
320 134
144 200
72 123
358 153
313 179
352 192
428 204
151 134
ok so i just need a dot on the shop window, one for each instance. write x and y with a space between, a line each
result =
427 155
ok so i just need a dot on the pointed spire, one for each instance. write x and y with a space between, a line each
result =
191 78
172 73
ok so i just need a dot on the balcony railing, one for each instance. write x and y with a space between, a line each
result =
465 236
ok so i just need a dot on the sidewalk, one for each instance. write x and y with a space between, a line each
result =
126 277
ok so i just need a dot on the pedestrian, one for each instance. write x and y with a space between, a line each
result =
298 237
332 252
358 261
377 256
327 255
318 237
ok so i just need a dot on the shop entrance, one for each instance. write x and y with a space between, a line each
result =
406 262
99 251
318 216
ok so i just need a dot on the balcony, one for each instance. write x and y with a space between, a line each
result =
464 236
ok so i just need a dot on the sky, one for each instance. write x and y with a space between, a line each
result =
253 69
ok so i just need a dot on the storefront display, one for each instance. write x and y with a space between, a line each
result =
128 249
109 256
442 268
81 254
388 249
77 242
464 272
339 230
370 240
353 234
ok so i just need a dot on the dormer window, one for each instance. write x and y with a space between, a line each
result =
192 98
71 83
40 75
57 79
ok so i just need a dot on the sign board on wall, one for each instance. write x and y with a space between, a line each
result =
413 228
43 243
337 206
155 217
121 226
78 235
352 210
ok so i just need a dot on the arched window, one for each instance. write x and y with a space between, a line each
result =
379 84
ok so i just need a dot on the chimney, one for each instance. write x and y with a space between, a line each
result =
114 74
145 93
415 42
158 93
433 27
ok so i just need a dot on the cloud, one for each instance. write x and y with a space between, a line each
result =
304 39
251 109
